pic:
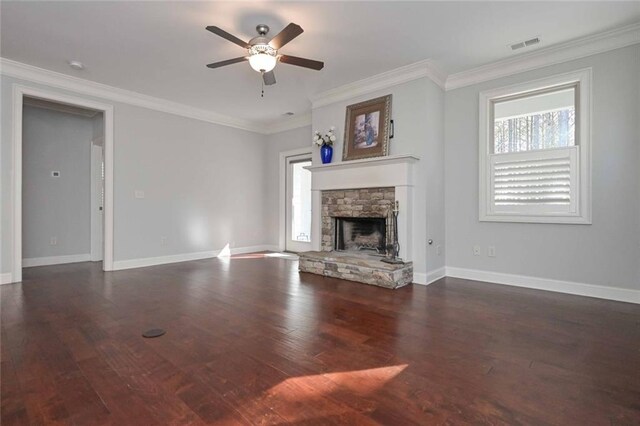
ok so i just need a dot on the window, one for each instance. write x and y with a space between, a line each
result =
535 151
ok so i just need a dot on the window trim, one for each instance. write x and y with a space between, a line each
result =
582 215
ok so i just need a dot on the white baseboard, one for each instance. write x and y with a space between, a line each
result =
429 277
570 287
5 278
419 278
436 274
119 265
55 260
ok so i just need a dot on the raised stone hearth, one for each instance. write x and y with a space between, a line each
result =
365 269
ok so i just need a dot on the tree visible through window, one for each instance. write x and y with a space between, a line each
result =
552 129
536 121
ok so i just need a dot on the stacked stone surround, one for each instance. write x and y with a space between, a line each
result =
353 203
367 202
368 270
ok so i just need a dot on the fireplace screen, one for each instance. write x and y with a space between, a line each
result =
361 234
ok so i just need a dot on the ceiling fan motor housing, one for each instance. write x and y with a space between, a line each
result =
262 29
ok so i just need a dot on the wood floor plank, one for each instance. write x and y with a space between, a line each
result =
252 341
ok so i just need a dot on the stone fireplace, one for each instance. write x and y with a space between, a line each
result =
357 220
352 225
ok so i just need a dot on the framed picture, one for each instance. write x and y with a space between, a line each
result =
367 128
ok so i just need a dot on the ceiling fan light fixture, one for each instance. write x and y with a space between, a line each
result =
262 57
262 62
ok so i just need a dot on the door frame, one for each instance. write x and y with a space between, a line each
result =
97 211
282 198
19 92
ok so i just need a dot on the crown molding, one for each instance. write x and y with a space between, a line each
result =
558 53
289 123
425 68
81 86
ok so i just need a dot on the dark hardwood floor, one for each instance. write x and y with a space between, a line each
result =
251 341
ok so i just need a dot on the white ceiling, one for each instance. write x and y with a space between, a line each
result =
161 48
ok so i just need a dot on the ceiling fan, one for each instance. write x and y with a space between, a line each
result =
263 52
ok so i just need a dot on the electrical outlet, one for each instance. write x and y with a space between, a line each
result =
439 250
163 240
53 241
138 193
491 251
476 250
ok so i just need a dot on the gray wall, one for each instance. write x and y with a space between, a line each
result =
417 110
605 253
203 182
56 207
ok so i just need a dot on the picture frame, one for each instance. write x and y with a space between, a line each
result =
367 129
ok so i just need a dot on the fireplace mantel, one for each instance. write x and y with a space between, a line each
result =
391 171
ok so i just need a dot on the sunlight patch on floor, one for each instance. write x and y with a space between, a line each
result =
360 382
286 256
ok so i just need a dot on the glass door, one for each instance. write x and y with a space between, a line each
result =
298 208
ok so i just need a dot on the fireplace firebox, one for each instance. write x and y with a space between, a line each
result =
367 235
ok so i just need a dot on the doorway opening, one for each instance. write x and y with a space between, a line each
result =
62 197
62 183
296 228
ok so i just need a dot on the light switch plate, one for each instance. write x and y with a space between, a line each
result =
139 193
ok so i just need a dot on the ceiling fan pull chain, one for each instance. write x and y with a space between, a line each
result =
262 81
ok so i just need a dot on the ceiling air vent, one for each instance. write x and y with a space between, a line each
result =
525 43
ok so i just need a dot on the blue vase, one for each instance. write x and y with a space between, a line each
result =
326 152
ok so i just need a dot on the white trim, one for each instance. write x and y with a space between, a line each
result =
114 94
185 257
55 260
436 274
569 287
555 54
373 162
419 278
425 68
282 193
582 215
5 278
19 91
288 124
422 278
97 227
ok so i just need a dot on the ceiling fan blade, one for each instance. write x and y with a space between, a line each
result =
269 78
227 62
233 39
302 62
290 32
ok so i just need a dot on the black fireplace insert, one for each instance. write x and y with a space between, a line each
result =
361 234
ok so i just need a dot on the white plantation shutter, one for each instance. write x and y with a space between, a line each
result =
538 182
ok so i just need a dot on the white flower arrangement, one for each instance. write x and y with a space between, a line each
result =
327 139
